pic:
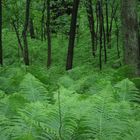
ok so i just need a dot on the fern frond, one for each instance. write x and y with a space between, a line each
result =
126 91
10 104
32 89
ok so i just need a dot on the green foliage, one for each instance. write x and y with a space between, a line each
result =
107 112
122 73
10 78
136 81
32 88
84 103
126 90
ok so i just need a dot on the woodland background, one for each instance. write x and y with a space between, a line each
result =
69 70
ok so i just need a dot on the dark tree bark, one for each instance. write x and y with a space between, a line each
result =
1 52
18 37
43 32
24 33
117 37
131 35
104 35
48 34
72 35
91 23
97 25
31 28
101 33
113 14
107 22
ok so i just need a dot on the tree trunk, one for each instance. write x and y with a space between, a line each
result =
24 33
43 32
117 38
18 37
104 34
48 34
101 32
1 52
113 14
72 35
107 22
31 28
130 30
91 23
97 25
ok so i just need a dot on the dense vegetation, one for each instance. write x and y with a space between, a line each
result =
69 70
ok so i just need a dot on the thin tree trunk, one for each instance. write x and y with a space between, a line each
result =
113 13
97 24
1 51
18 37
101 33
117 37
43 34
104 34
91 23
48 34
24 33
31 28
107 22
70 54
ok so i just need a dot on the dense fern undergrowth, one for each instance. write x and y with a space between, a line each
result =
81 104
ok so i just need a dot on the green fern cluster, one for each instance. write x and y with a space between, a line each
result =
109 112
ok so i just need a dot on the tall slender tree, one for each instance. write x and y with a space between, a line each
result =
43 32
101 32
24 33
48 34
130 30
117 37
1 52
107 20
20 46
104 36
114 8
90 15
97 24
70 54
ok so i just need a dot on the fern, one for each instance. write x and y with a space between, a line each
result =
106 114
10 79
5 132
127 91
10 104
123 73
134 132
32 89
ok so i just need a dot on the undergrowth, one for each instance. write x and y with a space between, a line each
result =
81 104
73 107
